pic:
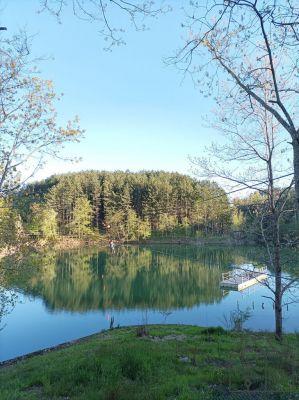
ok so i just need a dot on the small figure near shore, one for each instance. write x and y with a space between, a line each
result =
112 245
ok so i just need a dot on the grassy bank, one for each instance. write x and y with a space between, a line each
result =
172 362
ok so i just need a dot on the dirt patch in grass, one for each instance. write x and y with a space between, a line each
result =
167 337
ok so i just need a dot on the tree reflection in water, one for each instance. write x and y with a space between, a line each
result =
156 277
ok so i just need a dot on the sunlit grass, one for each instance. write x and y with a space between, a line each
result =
173 362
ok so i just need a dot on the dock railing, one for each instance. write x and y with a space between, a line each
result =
243 274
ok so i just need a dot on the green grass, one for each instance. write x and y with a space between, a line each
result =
174 362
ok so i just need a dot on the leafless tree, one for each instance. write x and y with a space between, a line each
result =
248 46
29 132
250 158
106 13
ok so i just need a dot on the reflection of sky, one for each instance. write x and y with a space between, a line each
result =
31 326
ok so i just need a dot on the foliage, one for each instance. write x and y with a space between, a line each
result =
167 223
247 214
238 219
135 206
81 219
29 128
237 319
130 206
42 222
10 223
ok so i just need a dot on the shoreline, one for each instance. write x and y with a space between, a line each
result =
69 243
64 243
74 342
46 350
159 362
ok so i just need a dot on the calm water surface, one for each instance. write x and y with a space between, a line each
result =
62 296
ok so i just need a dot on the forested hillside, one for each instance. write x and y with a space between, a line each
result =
123 205
128 206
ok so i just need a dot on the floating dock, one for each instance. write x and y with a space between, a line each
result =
242 278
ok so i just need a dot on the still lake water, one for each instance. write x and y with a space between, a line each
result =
61 296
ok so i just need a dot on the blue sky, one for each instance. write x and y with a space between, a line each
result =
137 112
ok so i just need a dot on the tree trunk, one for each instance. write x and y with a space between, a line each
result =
278 308
296 175
278 285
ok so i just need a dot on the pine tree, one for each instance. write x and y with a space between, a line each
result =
80 225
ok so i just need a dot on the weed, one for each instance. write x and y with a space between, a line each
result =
237 319
142 331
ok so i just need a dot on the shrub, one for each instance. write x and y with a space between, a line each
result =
214 330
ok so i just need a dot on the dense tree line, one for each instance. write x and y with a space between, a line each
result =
131 206
123 205
248 212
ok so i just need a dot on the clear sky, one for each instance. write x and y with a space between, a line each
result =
137 112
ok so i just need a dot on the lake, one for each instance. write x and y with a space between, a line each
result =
61 296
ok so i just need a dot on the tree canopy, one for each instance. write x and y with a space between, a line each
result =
128 205
29 128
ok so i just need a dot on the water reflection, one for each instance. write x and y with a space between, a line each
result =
65 295
131 278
